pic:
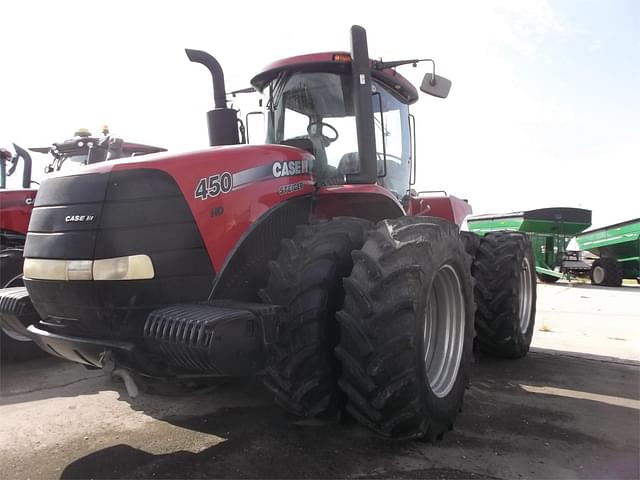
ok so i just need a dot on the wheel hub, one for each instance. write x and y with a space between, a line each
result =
444 331
525 296
598 275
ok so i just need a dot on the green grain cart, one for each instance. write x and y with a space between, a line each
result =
550 230
618 247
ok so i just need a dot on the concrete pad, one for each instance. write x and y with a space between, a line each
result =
570 409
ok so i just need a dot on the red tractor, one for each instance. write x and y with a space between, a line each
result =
16 205
304 260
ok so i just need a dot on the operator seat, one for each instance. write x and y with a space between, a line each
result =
350 163
302 143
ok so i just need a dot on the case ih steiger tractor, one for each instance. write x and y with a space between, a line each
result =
305 260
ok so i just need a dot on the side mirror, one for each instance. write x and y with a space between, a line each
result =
436 85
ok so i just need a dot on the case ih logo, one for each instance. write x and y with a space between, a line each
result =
290 168
79 218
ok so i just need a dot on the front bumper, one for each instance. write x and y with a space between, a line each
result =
90 352
221 339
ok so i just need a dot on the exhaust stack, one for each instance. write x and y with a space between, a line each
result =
222 122
363 109
26 172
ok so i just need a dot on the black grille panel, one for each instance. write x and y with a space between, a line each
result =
73 189
67 245
134 212
53 219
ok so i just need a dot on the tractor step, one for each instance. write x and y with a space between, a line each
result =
220 338
16 312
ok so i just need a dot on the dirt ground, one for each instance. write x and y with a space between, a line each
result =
570 409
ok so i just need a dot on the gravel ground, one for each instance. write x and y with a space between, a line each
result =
570 409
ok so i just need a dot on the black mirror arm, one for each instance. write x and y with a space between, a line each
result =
380 65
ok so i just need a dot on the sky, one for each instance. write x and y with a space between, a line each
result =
544 109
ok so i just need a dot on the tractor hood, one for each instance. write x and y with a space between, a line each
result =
134 192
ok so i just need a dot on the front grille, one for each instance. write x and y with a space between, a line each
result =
131 212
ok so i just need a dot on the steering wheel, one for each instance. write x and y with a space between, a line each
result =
325 139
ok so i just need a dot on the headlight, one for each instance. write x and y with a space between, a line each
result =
45 269
133 267
79 269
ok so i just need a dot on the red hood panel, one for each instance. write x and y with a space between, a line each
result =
15 209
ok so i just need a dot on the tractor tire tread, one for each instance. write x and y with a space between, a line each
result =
307 279
496 270
378 343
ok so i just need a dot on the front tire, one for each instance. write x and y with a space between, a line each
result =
505 288
406 329
307 279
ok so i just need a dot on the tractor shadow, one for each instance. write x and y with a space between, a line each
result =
508 425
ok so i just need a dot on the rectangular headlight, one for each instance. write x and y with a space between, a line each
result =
45 269
133 267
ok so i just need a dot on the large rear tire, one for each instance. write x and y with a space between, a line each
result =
505 292
606 271
406 328
307 278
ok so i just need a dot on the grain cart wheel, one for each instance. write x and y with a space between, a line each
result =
406 329
505 293
307 278
606 271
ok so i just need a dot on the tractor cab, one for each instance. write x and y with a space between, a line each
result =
309 105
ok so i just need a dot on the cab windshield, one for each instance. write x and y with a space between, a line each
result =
314 111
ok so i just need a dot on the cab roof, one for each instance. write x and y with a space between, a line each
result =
336 62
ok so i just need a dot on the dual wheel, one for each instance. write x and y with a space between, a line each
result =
382 319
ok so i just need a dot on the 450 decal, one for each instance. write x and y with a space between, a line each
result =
210 187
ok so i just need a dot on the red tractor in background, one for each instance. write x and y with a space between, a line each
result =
16 205
306 260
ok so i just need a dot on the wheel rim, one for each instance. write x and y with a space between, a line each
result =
525 296
444 331
598 275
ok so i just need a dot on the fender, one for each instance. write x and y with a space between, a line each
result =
368 201
245 270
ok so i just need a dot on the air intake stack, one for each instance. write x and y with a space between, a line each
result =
222 122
